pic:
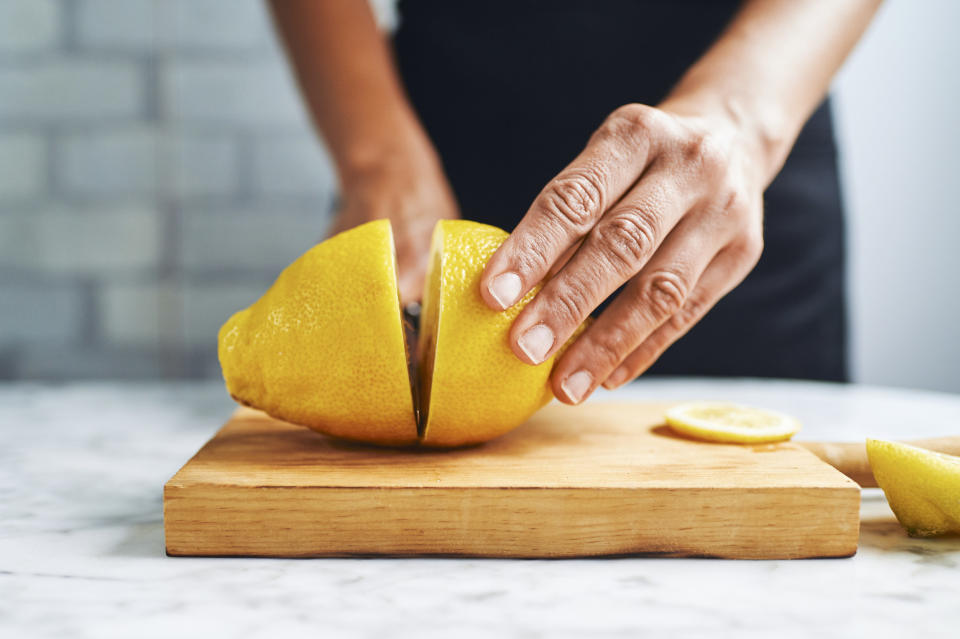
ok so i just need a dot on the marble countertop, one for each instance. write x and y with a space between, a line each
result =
82 555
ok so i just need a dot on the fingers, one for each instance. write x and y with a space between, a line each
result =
615 250
652 298
410 284
562 261
570 204
724 273
412 241
659 201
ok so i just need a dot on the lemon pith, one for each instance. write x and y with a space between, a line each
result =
733 423
325 347
921 486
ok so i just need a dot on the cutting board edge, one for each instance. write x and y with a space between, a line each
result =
183 484
339 528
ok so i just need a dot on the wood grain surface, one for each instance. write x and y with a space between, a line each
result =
599 479
850 458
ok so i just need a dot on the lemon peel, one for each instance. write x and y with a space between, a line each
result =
921 486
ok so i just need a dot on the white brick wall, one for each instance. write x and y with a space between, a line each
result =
157 171
67 89
292 164
171 314
91 242
127 24
202 165
108 161
142 25
214 24
28 26
43 361
207 306
231 92
23 167
140 313
247 241
36 311
140 160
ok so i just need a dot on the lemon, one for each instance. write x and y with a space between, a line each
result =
473 387
325 347
726 422
922 486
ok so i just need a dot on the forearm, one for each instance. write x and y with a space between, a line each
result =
345 71
771 67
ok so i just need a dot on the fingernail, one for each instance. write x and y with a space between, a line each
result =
505 288
575 386
616 378
536 342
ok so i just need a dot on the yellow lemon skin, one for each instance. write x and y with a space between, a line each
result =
324 346
473 388
922 486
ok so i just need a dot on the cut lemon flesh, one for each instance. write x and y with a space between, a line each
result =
734 423
922 486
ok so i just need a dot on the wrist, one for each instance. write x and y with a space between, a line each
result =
373 160
763 131
401 181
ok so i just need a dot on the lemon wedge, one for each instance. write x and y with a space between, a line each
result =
922 486
733 423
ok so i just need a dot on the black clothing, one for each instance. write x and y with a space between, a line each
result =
510 91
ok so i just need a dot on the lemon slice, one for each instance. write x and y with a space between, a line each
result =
922 486
726 422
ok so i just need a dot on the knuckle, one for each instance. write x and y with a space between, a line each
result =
665 292
750 246
702 151
575 198
531 253
728 204
687 315
610 348
569 305
628 122
630 237
634 116
732 198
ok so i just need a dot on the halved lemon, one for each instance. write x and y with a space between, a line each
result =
325 347
735 423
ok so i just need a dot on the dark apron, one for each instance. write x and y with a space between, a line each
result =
510 91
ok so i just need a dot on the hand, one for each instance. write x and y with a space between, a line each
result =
667 202
413 195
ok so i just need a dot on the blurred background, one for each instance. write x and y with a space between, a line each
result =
157 170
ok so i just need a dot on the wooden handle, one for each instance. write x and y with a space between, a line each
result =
851 458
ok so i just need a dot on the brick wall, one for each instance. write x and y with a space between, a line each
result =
156 172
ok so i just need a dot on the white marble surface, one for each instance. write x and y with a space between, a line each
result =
81 543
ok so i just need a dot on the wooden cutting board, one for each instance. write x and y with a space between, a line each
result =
599 479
